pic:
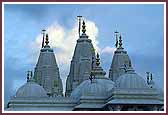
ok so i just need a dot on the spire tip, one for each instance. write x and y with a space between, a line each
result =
83 27
97 60
46 39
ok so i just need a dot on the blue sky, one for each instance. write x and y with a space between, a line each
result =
142 28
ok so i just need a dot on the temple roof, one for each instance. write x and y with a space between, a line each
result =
130 80
31 89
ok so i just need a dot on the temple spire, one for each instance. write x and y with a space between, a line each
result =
43 32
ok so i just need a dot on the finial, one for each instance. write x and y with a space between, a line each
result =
28 75
46 39
92 61
129 63
43 32
79 18
116 34
83 27
31 74
97 60
151 77
147 77
120 41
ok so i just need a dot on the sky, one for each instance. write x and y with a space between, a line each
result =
140 25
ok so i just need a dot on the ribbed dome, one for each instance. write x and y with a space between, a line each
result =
130 80
31 89
95 89
98 88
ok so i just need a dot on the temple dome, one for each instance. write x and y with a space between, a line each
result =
94 88
98 88
131 80
31 89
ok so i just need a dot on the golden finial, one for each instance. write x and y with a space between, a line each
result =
83 27
120 41
46 39
97 60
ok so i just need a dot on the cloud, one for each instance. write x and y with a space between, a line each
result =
63 41
108 50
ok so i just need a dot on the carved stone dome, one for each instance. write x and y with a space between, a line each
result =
98 88
131 80
31 89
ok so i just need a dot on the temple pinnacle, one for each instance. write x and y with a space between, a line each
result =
147 77
97 60
151 77
83 27
29 76
46 39
120 42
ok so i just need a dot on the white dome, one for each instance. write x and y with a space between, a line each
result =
94 89
31 89
98 88
131 80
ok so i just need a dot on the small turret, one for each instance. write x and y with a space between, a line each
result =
97 70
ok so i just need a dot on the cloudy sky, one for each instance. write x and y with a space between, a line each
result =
142 28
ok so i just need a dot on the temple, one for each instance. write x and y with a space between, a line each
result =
87 88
